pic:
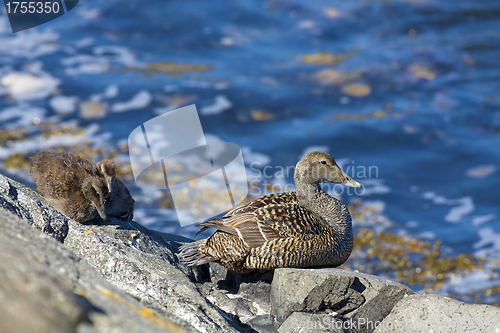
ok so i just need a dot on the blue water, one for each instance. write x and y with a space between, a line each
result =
430 124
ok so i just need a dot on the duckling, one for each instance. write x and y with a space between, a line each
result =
302 228
107 169
70 184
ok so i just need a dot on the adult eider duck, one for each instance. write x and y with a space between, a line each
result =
303 228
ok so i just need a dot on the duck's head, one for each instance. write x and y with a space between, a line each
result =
96 191
319 167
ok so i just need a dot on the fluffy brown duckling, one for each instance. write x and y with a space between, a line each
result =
76 188
70 184
303 228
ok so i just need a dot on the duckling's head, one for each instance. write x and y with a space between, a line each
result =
122 206
96 191
107 169
319 167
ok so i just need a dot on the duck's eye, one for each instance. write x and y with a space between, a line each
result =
323 162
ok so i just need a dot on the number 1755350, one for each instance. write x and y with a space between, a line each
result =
32 7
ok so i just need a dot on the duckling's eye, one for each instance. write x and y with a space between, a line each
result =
323 162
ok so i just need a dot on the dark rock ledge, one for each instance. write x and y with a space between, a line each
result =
122 277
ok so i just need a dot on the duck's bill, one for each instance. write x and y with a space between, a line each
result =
349 181
110 189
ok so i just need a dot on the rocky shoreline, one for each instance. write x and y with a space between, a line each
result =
120 276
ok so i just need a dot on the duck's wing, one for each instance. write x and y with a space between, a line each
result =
270 199
269 222
239 212
57 185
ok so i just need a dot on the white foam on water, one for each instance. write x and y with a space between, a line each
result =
259 160
464 284
30 44
373 213
170 88
374 186
118 54
426 235
110 92
455 214
481 171
85 64
221 103
25 86
481 219
412 224
88 13
101 61
63 104
488 245
464 207
24 114
139 101
84 42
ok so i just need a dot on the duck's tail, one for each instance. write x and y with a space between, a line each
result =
191 254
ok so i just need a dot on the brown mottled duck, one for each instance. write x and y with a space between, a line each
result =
302 228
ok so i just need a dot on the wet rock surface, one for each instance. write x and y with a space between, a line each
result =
119 276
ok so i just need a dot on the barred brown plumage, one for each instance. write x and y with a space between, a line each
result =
291 229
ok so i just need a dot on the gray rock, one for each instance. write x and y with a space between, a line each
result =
302 322
357 296
262 323
45 287
435 313
31 207
141 262
244 298
137 261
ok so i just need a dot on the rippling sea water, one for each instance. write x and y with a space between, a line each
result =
404 94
